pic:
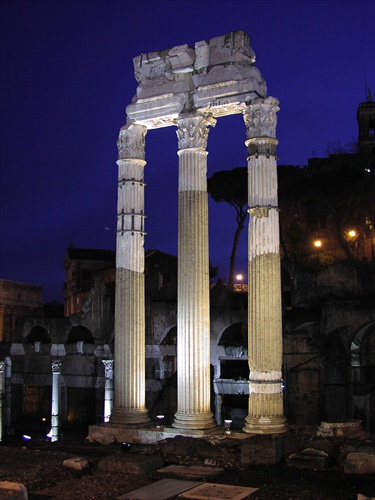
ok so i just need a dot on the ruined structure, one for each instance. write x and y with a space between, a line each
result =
190 88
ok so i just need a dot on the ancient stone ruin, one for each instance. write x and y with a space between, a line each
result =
190 88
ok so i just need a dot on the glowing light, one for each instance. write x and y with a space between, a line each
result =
25 437
239 277
317 243
227 425
352 233
159 421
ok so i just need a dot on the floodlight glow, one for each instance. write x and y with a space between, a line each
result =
159 420
227 425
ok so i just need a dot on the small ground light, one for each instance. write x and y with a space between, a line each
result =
25 437
159 421
125 447
227 426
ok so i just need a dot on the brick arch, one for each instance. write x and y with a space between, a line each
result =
234 335
80 333
38 334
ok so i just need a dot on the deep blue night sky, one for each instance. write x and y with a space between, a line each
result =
67 77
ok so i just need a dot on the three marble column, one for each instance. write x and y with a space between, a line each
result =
265 414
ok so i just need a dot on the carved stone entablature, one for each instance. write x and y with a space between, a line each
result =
131 142
156 112
219 73
262 146
192 131
260 118
232 95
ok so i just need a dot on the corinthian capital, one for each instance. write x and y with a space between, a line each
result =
56 365
192 131
131 142
260 118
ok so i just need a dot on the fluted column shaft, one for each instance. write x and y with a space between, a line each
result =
130 371
266 415
193 308
55 403
108 388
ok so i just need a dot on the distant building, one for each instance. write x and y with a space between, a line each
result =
16 301
81 267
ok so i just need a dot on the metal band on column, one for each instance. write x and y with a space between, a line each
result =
266 414
193 308
130 379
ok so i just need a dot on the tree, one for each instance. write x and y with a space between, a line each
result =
230 186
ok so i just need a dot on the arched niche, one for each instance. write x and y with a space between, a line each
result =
38 334
80 334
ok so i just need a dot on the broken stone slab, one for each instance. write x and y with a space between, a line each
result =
218 492
350 429
310 458
14 491
76 463
360 463
190 471
131 464
164 489
101 438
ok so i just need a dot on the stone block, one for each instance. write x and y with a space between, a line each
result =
14 491
259 450
360 463
190 471
103 438
310 459
76 463
218 492
131 464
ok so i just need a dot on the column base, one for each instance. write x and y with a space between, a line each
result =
265 425
193 421
129 417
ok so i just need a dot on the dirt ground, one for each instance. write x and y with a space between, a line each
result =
39 466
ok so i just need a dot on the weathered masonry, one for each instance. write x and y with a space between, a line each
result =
190 88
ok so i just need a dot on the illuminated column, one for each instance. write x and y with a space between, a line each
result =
2 384
7 395
266 415
193 308
130 377
55 410
108 388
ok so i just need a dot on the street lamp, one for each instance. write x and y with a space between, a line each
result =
317 243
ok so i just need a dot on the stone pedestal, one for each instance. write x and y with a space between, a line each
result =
193 308
266 414
130 377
